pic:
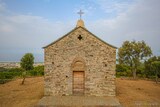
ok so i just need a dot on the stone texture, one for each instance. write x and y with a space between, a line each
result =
78 101
96 58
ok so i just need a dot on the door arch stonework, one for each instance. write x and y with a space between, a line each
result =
78 64
78 76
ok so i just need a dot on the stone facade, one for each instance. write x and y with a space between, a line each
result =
80 50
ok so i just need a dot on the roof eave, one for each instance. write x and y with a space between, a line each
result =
60 38
100 39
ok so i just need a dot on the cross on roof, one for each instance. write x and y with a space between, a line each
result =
79 37
80 13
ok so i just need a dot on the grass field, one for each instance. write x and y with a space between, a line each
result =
131 93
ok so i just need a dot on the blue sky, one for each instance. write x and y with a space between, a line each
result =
28 25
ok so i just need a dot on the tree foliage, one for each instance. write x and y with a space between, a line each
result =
152 67
122 70
132 53
148 69
37 71
156 67
27 61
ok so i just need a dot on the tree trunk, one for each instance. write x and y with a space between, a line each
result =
156 77
134 74
23 80
24 77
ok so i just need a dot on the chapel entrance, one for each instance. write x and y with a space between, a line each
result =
78 82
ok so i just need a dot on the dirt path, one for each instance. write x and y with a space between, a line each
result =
129 93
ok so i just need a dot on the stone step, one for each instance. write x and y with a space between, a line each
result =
78 101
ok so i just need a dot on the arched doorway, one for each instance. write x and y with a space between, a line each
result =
78 69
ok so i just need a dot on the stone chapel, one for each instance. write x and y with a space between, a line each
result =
79 63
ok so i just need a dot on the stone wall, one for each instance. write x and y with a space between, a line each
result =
99 60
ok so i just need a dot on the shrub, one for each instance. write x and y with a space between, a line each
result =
3 69
152 77
15 70
10 73
123 70
37 71
32 73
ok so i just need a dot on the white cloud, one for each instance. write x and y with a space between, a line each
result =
22 30
28 33
2 7
113 6
88 7
139 22
135 21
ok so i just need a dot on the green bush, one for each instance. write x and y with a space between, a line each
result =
152 77
3 69
37 71
15 70
123 70
8 74
32 73
119 74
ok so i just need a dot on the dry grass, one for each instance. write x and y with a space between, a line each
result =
138 93
13 94
129 92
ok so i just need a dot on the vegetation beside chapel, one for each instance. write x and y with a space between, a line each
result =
7 74
135 59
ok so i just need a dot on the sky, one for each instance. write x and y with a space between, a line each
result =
28 25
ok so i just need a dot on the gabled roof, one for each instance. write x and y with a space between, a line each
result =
73 31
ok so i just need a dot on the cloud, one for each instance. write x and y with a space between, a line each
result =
24 28
114 6
27 33
139 22
88 7
2 7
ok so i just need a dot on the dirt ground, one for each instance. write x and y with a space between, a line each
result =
131 93
13 94
138 93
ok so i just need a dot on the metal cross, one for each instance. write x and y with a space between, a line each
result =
80 13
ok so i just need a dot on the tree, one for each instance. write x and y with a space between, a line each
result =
132 53
149 72
26 63
152 68
156 67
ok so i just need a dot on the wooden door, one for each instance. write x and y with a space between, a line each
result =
78 82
